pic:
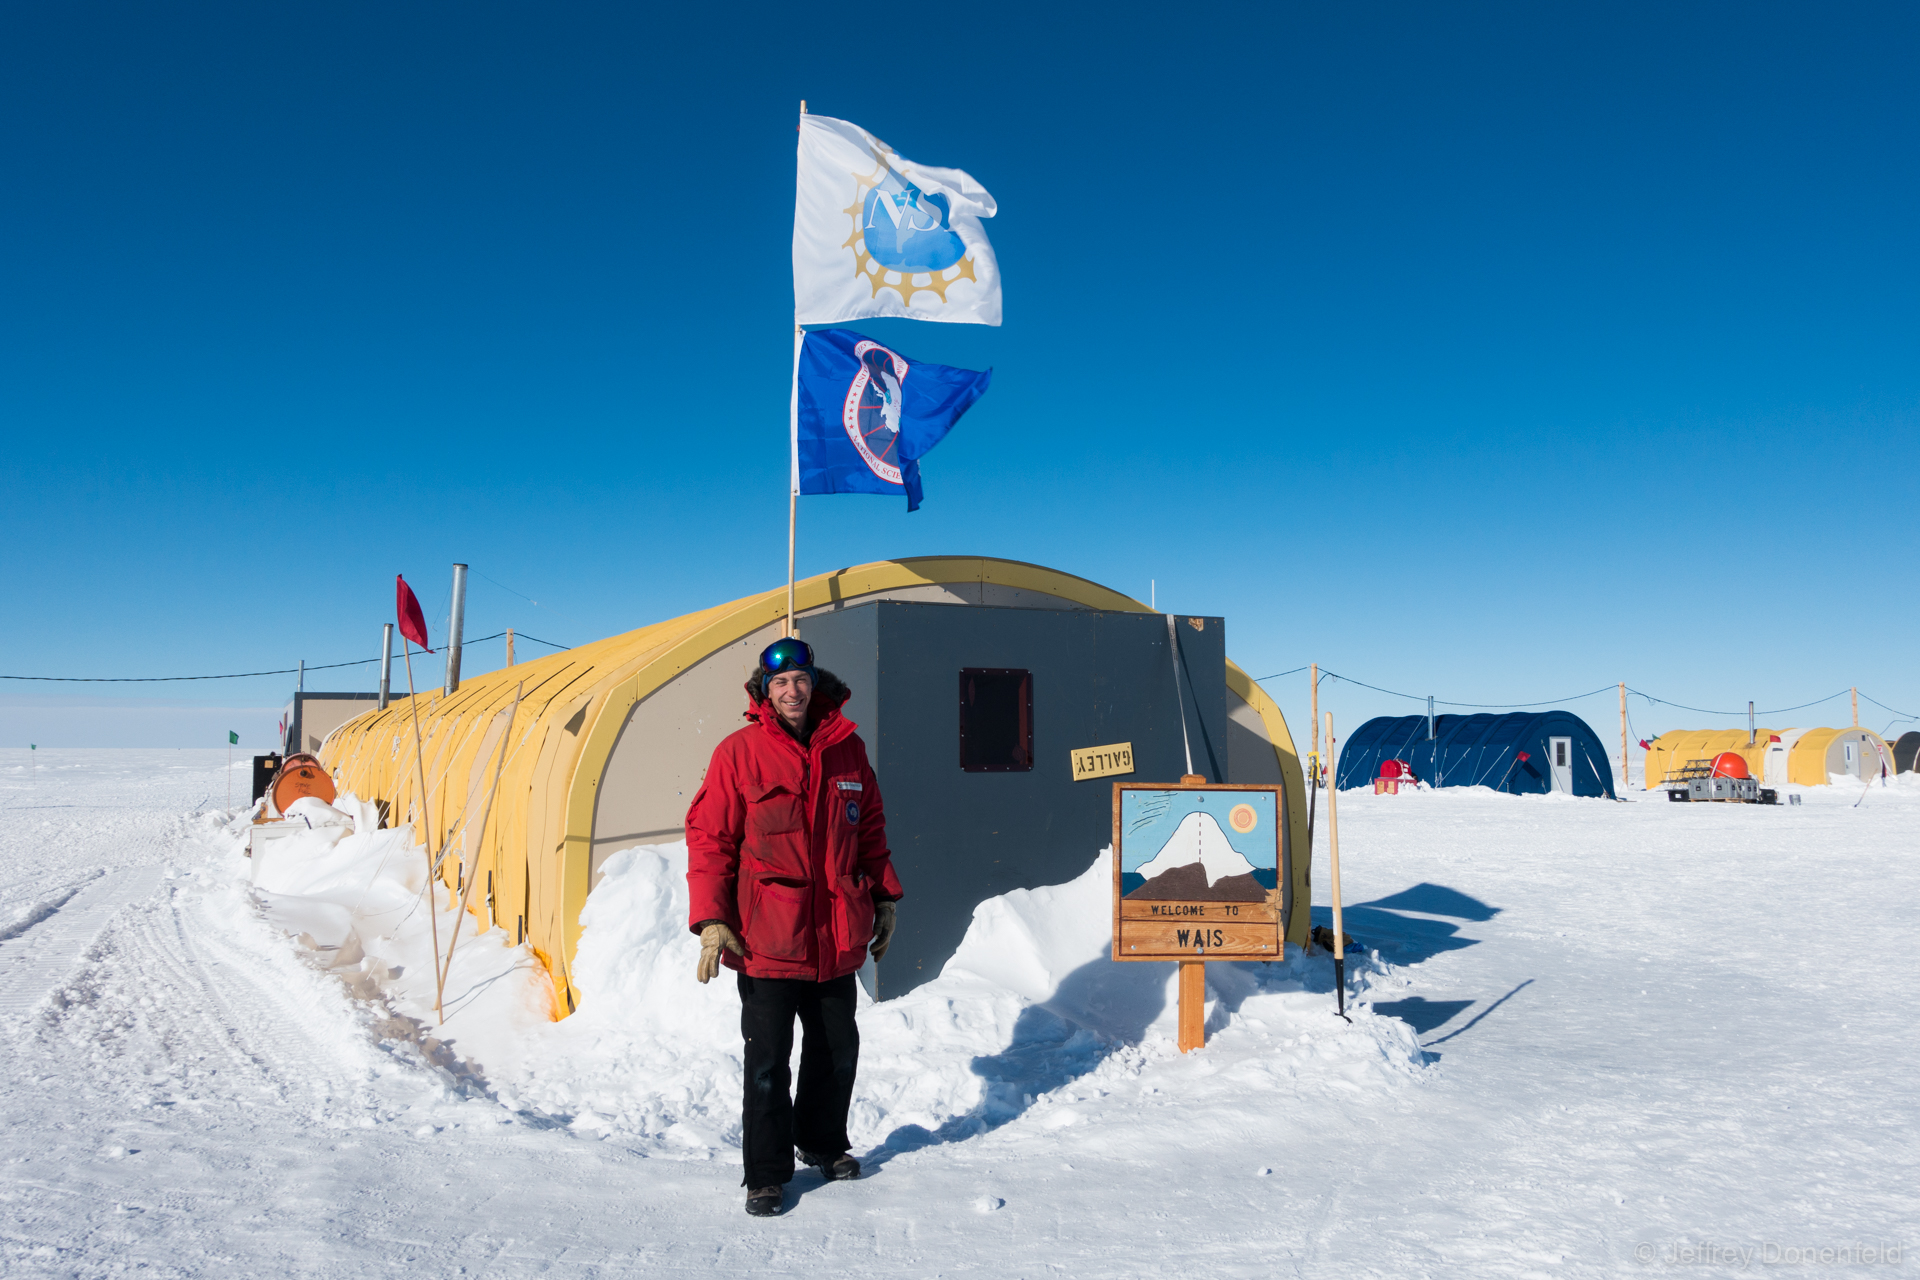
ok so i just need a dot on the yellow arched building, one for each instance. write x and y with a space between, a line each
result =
1804 757
611 739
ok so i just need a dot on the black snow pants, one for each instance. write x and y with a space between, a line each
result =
773 1122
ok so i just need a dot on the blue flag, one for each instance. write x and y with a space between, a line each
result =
868 414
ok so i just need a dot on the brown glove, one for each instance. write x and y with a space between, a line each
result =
884 920
712 938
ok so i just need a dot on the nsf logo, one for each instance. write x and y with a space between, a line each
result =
902 238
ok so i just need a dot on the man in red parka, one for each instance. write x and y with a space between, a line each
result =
790 881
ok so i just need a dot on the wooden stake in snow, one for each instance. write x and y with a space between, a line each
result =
1624 780
479 839
1333 847
1313 726
426 817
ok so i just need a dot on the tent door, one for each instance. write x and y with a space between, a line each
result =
1560 756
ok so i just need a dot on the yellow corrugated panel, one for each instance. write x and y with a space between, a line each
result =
1294 775
573 705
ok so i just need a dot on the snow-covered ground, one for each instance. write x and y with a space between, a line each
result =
1592 1039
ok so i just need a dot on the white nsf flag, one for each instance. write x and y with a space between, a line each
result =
875 234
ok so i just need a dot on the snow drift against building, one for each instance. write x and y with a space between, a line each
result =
1029 1012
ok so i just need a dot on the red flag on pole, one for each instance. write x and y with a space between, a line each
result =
412 625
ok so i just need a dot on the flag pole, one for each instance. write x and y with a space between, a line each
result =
426 816
793 452
471 866
793 466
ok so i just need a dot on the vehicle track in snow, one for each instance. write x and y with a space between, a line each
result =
45 947
206 994
179 976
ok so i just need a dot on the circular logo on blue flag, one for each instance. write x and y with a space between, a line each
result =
853 812
871 411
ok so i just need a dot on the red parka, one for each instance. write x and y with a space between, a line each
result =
787 846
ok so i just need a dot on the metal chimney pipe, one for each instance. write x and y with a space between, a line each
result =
298 729
1750 729
454 625
386 664
1429 717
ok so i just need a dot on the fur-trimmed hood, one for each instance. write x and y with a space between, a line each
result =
830 693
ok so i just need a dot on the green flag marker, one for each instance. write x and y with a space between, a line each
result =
233 739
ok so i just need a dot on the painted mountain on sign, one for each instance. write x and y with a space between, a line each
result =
1197 864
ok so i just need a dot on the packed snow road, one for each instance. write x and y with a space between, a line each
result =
1596 1039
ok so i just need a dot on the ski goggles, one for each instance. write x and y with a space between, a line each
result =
789 653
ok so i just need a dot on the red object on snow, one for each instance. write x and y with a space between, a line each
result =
1730 764
787 846
1395 769
412 625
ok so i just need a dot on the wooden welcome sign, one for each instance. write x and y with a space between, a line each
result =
1196 876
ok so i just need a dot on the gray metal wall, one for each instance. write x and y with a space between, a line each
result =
959 838
312 716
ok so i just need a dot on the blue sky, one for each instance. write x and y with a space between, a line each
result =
1493 351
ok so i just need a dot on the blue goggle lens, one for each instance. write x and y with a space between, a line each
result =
787 654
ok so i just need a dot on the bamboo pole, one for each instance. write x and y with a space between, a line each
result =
1625 781
426 814
1313 728
479 840
1333 850
509 646
1856 707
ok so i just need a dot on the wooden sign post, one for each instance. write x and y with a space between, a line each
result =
1196 877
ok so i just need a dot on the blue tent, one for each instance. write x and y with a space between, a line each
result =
1483 751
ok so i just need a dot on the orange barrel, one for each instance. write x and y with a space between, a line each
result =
302 775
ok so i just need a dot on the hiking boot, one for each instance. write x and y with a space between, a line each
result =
764 1202
834 1168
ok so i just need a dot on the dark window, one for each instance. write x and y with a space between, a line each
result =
996 719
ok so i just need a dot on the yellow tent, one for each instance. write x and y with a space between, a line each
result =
1804 757
641 713
1673 751
1820 752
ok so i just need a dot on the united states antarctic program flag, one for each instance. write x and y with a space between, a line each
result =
867 414
875 234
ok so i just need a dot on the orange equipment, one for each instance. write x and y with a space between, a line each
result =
301 775
1730 764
